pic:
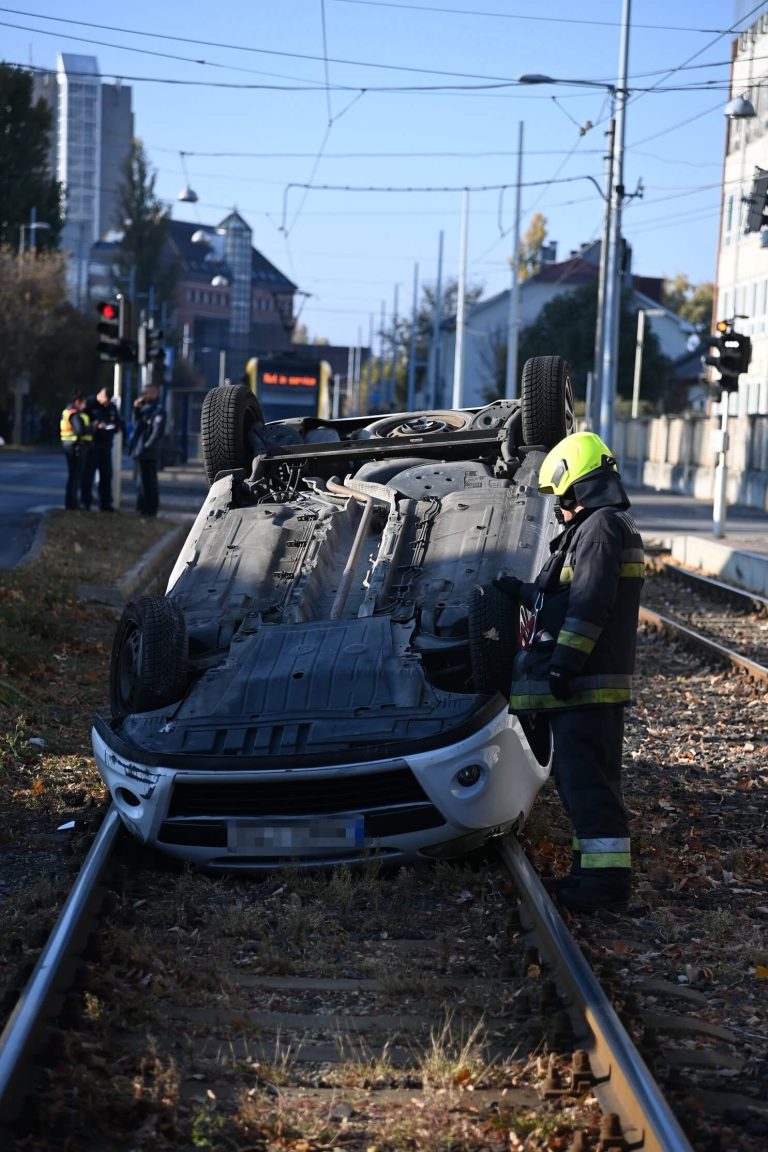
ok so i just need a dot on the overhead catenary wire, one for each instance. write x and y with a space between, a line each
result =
505 90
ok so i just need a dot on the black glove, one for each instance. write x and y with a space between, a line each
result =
510 585
560 683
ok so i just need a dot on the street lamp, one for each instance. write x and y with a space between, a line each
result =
605 294
740 108
187 194
609 286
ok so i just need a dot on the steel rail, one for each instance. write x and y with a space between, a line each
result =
670 624
624 1085
714 585
24 1032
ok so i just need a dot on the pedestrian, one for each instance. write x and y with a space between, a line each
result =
75 433
146 447
105 423
576 661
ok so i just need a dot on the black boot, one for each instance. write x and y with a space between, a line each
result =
554 884
597 888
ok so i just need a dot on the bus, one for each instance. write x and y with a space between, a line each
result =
287 386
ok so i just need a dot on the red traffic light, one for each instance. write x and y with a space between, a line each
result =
109 311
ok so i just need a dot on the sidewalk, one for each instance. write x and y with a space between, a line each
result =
683 526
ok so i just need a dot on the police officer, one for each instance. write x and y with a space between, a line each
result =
146 445
105 422
576 664
75 433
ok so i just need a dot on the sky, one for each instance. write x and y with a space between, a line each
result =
346 131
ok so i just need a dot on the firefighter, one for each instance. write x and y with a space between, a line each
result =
577 657
76 436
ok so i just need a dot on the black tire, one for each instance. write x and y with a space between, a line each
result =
419 424
150 656
494 623
547 401
230 415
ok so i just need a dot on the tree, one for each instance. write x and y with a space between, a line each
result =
531 246
143 218
26 185
566 326
399 336
45 340
693 303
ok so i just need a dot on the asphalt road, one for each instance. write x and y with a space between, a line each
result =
32 482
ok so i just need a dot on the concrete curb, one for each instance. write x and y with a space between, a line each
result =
38 539
748 570
142 574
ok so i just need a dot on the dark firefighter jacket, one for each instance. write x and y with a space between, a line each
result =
585 601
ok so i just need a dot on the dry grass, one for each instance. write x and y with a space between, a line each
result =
54 674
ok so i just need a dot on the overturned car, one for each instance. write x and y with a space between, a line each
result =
325 678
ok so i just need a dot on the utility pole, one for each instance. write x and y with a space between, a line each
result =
393 359
593 407
458 359
117 396
434 386
412 349
610 335
513 326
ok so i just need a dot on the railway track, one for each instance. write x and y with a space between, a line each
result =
411 1009
357 1011
727 622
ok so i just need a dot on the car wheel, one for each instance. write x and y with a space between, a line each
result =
547 401
149 665
419 424
494 623
227 422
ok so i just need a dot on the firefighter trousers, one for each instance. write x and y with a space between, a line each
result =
586 767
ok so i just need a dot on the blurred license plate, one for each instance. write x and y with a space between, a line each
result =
296 837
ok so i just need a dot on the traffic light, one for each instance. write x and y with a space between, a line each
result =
757 202
112 346
109 330
734 352
155 353
155 349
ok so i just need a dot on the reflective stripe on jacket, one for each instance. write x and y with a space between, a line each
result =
586 600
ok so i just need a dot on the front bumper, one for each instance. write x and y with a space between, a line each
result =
440 802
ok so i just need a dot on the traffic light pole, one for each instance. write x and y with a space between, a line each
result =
721 470
117 439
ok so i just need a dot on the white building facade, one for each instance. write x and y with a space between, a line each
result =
742 264
487 325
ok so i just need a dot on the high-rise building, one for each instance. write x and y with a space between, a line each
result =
90 142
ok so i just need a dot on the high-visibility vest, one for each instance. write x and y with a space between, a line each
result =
67 432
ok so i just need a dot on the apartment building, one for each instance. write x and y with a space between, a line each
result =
742 263
90 142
